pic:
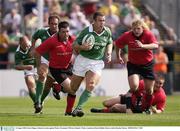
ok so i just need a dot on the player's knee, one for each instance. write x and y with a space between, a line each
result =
105 103
149 91
91 85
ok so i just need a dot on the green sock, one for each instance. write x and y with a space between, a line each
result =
83 98
32 96
45 94
39 90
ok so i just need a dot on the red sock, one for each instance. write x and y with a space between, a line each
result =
70 103
106 110
57 87
147 101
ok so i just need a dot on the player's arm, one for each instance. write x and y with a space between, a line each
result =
118 55
78 47
32 49
37 56
19 65
108 52
146 46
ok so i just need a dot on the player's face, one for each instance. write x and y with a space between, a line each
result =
138 30
53 25
100 21
24 43
64 34
158 84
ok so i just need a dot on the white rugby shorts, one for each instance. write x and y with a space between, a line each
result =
32 72
82 65
44 61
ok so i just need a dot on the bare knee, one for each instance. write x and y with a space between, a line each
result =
106 103
42 72
115 109
90 86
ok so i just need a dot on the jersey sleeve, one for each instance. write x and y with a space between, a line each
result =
121 41
152 38
161 104
35 36
44 47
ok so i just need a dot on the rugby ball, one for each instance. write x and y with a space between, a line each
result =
89 38
38 42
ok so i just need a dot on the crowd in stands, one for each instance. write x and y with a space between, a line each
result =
19 18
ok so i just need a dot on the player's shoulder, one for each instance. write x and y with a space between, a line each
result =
41 30
147 32
107 29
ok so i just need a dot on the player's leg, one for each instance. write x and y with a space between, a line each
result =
70 97
62 78
31 85
42 74
91 80
108 103
111 101
133 82
148 97
149 80
47 87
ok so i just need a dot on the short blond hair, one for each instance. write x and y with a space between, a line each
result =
139 22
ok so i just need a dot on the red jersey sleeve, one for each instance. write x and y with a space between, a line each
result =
44 47
121 41
159 99
151 38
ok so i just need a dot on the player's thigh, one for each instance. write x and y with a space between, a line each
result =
110 102
66 85
43 70
76 82
149 84
133 81
30 81
49 82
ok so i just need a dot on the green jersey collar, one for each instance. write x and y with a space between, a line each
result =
91 30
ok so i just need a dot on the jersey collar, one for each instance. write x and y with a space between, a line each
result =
91 30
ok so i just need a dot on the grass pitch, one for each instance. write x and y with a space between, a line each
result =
19 112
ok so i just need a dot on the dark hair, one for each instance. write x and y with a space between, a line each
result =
96 14
63 24
52 17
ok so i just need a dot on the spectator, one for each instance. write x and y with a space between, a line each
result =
109 4
154 30
12 21
4 44
161 61
77 19
169 42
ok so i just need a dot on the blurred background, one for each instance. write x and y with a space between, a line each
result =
19 17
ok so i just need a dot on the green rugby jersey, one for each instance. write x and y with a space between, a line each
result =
23 58
101 41
42 34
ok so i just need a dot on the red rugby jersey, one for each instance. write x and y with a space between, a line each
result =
60 53
139 57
